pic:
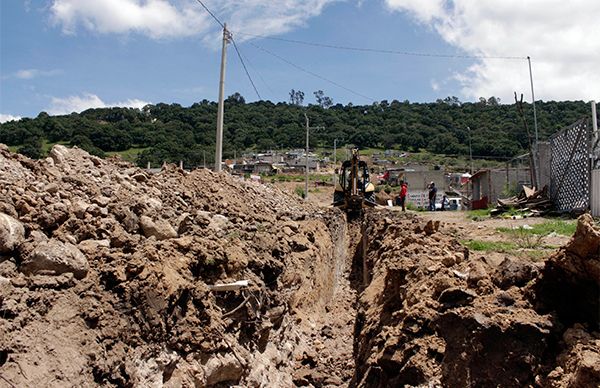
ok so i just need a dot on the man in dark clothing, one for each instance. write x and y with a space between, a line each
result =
432 195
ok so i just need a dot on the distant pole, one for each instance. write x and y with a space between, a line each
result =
219 150
306 172
334 161
596 135
535 124
204 158
470 151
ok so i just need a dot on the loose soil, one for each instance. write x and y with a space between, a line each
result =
107 275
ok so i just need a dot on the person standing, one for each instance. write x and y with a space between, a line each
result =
403 193
432 195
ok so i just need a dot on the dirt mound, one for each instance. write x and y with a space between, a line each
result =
433 314
106 270
113 276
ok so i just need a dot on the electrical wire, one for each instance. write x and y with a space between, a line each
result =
310 72
211 14
381 51
245 68
229 35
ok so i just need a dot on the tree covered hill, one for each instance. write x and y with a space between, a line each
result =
172 132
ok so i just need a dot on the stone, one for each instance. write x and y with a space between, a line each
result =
222 368
161 230
12 233
54 257
456 297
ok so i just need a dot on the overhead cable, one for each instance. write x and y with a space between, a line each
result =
310 72
382 51
245 68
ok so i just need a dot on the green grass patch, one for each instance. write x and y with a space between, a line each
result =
560 227
129 155
478 215
494 246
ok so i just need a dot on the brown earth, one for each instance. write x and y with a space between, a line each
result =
106 276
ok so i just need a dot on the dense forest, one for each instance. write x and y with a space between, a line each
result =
172 132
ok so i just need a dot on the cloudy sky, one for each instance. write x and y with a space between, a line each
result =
62 56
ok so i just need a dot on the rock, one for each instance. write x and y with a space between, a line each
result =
218 222
80 208
161 230
51 188
513 272
455 297
58 153
55 257
12 233
101 201
222 368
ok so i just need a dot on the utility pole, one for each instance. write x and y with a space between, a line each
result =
219 150
470 150
308 128
535 124
334 161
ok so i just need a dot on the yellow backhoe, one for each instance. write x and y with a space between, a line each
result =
354 190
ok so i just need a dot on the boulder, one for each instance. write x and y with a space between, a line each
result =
12 233
55 257
162 230
222 368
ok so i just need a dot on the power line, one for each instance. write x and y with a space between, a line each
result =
255 70
234 45
311 73
382 51
245 68
211 14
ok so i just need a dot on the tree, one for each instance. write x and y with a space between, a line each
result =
322 100
236 98
32 148
296 97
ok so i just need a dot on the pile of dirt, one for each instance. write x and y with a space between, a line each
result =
432 313
108 275
105 275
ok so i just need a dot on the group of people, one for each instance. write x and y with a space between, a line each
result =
401 198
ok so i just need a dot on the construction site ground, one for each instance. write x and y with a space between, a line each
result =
111 276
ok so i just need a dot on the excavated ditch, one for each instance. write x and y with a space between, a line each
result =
109 276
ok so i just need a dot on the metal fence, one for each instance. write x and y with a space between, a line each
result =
570 183
595 205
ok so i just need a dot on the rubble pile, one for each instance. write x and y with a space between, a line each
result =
112 276
533 202
105 272
432 313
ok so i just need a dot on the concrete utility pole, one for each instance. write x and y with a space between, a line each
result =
308 128
535 125
470 151
334 161
595 134
306 153
219 150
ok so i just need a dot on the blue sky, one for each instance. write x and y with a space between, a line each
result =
67 55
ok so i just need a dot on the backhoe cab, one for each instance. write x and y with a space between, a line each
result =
353 190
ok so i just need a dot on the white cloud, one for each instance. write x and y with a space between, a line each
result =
181 18
33 73
67 105
155 18
560 36
6 117
434 85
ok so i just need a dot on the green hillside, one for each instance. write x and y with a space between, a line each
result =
171 133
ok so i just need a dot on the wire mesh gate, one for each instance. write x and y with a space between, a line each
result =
571 167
